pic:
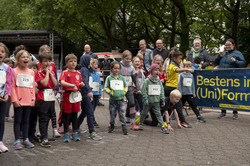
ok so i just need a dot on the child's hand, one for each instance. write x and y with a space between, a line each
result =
90 95
170 128
180 126
17 104
4 98
191 70
194 95
33 103
75 89
81 84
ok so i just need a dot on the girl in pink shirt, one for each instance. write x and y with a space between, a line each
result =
6 75
23 97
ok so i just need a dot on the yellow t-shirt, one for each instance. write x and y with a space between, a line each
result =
172 76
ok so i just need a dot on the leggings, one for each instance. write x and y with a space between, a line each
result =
21 119
3 107
67 117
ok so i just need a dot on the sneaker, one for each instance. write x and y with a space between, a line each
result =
51 139
28 144
70 128
66 137
56 133
140 127
186 125
3 148
111 128
81 131
96 124
137 121
201 119
221 115
124 130
133 126
75 136
100 104
137 114
94 136
164 130
18 145
60 129
45 143
235 116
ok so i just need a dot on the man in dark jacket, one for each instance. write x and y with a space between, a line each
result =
198 51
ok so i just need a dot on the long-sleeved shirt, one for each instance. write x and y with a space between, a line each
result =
6 80
186 84
23 87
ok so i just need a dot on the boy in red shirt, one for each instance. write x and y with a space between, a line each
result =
71 81
46 83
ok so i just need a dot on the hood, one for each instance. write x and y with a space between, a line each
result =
85 60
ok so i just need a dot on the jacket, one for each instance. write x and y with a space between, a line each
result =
85 64
204 57
225 61
96 78
115 94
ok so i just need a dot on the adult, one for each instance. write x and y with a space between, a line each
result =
198 51
147 54
105 66
229 58
160 50
87 50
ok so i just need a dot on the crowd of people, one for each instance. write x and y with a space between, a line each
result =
154 81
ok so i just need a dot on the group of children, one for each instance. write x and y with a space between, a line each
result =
31 87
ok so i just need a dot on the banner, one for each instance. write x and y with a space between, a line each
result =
223 88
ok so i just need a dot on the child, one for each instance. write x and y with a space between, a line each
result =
23 98
87 97
71 81
6 80
153 97
197 63
46 83
45 48
139 82
116 87
33 113
128 72
95 84
173 71
158 60
172 103
10 63
187 88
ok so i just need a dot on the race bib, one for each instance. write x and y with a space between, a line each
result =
75 97
49 95
128 80
2 77
95 86
154 90
116 85
187 81
24 80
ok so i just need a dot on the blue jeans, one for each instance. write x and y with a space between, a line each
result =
3 108
117 105
87 110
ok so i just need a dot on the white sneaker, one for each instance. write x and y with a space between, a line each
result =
3 148
56 134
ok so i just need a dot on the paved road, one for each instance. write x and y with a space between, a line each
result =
217 142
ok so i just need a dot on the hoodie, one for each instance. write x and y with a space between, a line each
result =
127 70
85 72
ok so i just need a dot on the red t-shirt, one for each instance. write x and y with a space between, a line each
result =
72 77
51 68
40 75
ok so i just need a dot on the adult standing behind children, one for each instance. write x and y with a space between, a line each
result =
147 55
160 50
198 51
230 58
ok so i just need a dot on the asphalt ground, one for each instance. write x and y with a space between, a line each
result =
217 142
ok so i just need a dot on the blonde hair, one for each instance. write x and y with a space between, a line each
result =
6 49
175 93
156 57
140 56
44 48
135 58
187 63
19 54
70 56
95 61
126 53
